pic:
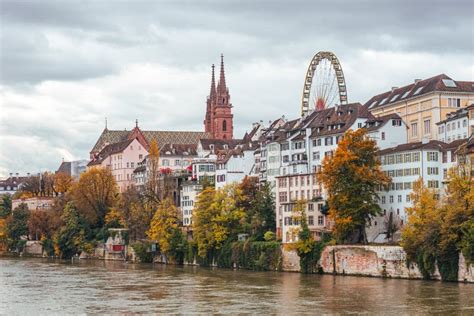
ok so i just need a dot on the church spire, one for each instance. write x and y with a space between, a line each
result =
221 87
213 84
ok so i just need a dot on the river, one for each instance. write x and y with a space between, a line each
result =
41 286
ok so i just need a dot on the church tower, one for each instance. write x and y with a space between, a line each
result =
219 117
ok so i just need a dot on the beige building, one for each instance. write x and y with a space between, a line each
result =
424 103
37 203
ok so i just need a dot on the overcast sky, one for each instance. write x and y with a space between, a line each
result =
65 66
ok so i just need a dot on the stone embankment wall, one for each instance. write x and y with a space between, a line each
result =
379 261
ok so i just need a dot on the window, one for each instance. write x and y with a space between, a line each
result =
140 156
414 129
383 135
407 197
359 125
166 162
383 199
328 141
418 90
427 126
399 199
320 220
224 125
177 162
416 157
132 164
310 220
434 184
407 157
391 198
432 156
316 155
433 170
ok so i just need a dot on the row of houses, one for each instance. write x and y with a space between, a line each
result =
418 128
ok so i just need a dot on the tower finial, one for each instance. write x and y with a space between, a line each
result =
136 123
213 83
221 87
106 122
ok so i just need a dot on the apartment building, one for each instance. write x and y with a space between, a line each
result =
457 125
423 103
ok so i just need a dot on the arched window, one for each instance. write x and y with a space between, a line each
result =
224 126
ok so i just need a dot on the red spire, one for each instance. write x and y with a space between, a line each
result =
221 87
213 84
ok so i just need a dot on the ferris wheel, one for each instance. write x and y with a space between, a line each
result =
324 84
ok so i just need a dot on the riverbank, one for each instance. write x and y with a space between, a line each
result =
355 260
44 287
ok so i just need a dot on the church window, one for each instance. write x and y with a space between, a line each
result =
224 126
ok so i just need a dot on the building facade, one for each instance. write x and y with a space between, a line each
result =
423 103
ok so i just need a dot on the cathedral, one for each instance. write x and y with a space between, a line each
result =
219 118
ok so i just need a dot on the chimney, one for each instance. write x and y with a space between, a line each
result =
17 174
395 88
11 174
27 174
417 80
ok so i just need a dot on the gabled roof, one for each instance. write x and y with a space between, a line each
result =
437 83
162 137
65 168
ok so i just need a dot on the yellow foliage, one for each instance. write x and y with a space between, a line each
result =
164 223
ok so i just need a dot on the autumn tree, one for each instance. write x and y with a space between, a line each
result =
62 182
165 229
203 215
94 193
153 168
351 177
420 236
137 212
458 217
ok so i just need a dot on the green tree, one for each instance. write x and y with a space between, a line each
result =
5 205
72 236
351 177
264 218
17 222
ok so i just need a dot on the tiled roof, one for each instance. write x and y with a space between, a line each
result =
178 150
437 83
377 122
463 112
219 144
12 181
65 168
162 137
109 150
337 120
434 144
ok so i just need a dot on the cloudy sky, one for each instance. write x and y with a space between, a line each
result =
65 66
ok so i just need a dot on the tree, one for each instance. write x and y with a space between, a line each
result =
62 182
165 229
137 212
115 219
458 215
17 222
203 215
153 168
351 178
72 236
94 193
6 205
421 234
264 217
40 225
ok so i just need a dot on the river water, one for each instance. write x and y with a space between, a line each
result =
41 286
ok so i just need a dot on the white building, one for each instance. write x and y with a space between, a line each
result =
233 165
457 125
189 193
73 168
405 164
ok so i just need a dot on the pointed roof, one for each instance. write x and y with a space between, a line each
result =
221 87
212 93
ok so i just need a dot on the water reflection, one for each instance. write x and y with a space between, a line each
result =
32 286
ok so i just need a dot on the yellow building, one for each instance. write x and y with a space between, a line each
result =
423 103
